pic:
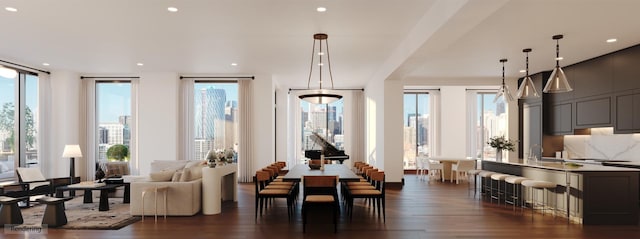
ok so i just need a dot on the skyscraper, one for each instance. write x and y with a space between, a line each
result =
210 116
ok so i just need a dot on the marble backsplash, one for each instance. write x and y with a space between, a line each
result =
603 144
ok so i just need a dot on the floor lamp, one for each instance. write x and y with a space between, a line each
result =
72 151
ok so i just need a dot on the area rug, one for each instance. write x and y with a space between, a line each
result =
85 215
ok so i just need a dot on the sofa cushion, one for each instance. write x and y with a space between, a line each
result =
196 171
168 165
193 163
162 176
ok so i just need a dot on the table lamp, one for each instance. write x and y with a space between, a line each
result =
72 151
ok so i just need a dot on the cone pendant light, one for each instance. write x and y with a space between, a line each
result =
527 89
503 93
557 83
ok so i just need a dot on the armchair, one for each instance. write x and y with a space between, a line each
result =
33 183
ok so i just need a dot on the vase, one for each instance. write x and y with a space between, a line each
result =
498 155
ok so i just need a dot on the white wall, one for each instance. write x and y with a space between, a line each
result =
65 122
453 121
157 119
282 122
393 139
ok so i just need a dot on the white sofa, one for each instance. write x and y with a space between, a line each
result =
184 198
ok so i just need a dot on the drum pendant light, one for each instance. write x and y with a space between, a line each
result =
320 96
527 89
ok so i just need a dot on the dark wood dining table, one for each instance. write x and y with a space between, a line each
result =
342 171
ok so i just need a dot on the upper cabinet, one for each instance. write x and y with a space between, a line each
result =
626 69
592 77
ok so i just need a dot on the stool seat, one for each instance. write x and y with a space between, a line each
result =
538 184
474 171
499 176
515 179
485 174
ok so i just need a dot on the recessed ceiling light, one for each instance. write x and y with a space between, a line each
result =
320 53
523 71
321 9
234 64
612 40
45 64
172 9
140 64
559 58
11 9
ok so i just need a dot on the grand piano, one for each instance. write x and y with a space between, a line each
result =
330 151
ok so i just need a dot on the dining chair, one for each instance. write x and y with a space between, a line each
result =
434 170
320 192
461 168
377 194
262 193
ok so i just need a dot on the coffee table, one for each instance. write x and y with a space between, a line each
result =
104 193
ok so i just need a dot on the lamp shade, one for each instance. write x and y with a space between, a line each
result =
527 89
71 151
557 83
319 97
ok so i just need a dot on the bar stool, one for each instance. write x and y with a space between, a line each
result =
540 185
155 191
498 178
515 196
486 177
474 173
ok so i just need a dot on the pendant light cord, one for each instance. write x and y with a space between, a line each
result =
313 50
557 52
527 65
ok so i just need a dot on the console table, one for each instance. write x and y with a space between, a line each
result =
219 183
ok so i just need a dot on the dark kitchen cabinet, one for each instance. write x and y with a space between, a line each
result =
627 107
593 112
626 69
560 118
592 77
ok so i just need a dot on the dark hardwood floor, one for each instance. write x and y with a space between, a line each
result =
419 210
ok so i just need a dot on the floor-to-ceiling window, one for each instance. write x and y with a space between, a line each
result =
18 123
326 120
490 120
416 127
114 120
216 118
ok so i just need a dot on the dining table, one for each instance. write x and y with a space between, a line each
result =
447 163
344 173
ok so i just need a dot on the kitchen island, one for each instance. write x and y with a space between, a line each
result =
586 193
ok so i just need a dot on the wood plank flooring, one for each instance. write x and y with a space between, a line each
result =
419 210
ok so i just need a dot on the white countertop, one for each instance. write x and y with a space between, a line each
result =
563 167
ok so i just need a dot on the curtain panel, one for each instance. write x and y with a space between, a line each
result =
245 148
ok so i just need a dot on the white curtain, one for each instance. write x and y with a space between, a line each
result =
294 130
434 122
88 111
134 163
186 138
472 118
245 147
356 112
44 122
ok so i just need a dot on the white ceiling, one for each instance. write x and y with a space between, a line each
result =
368 39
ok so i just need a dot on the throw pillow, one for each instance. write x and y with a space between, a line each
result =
193 163
162 176
186 175
176 177
196 172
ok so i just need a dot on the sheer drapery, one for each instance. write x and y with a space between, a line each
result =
88 139
294 130
186 145
472 123
134 165
354 112
44 122
434 122
245 147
